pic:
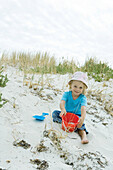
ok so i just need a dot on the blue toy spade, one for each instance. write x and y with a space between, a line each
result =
41 117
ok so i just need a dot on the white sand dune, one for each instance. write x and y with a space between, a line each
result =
50 146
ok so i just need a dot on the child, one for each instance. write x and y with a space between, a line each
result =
75 101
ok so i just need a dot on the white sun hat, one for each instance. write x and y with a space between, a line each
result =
80 76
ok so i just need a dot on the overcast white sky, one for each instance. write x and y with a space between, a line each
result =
64 28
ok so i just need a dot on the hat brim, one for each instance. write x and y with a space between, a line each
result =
85 83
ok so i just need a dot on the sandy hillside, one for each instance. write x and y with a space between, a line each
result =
26 143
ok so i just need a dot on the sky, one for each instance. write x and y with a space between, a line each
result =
76 29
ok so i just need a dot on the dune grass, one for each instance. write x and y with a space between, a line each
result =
43 63
98 70
3 81
3 78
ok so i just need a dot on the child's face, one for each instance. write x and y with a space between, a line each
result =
77 87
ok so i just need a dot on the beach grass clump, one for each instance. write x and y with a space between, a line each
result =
97 70
30 62
3 81
43 63
66 67
3 78
1 101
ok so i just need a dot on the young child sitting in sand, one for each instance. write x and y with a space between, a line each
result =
75 101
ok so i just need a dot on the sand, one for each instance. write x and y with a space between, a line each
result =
26 143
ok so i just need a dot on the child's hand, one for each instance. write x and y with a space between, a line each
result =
81 121
63 112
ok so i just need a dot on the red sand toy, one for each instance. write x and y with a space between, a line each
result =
69 122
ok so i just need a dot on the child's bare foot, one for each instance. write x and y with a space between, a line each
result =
82 134
84 141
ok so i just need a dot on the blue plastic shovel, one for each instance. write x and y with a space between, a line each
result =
43 114
37 117
40 118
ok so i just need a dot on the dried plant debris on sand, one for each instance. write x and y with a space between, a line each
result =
97 111
102 99
55 138
22 143
91 160
81 160
40 164
52 135
41 147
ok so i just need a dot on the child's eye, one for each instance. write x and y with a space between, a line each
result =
75 86
80 87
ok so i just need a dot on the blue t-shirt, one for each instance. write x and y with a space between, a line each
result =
74 106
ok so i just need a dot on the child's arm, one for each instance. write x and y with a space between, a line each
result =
62 107
83 115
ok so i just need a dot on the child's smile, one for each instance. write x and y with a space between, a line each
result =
77 88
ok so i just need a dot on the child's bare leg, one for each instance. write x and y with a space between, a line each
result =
82 134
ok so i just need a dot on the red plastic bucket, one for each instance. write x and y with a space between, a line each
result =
69 122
